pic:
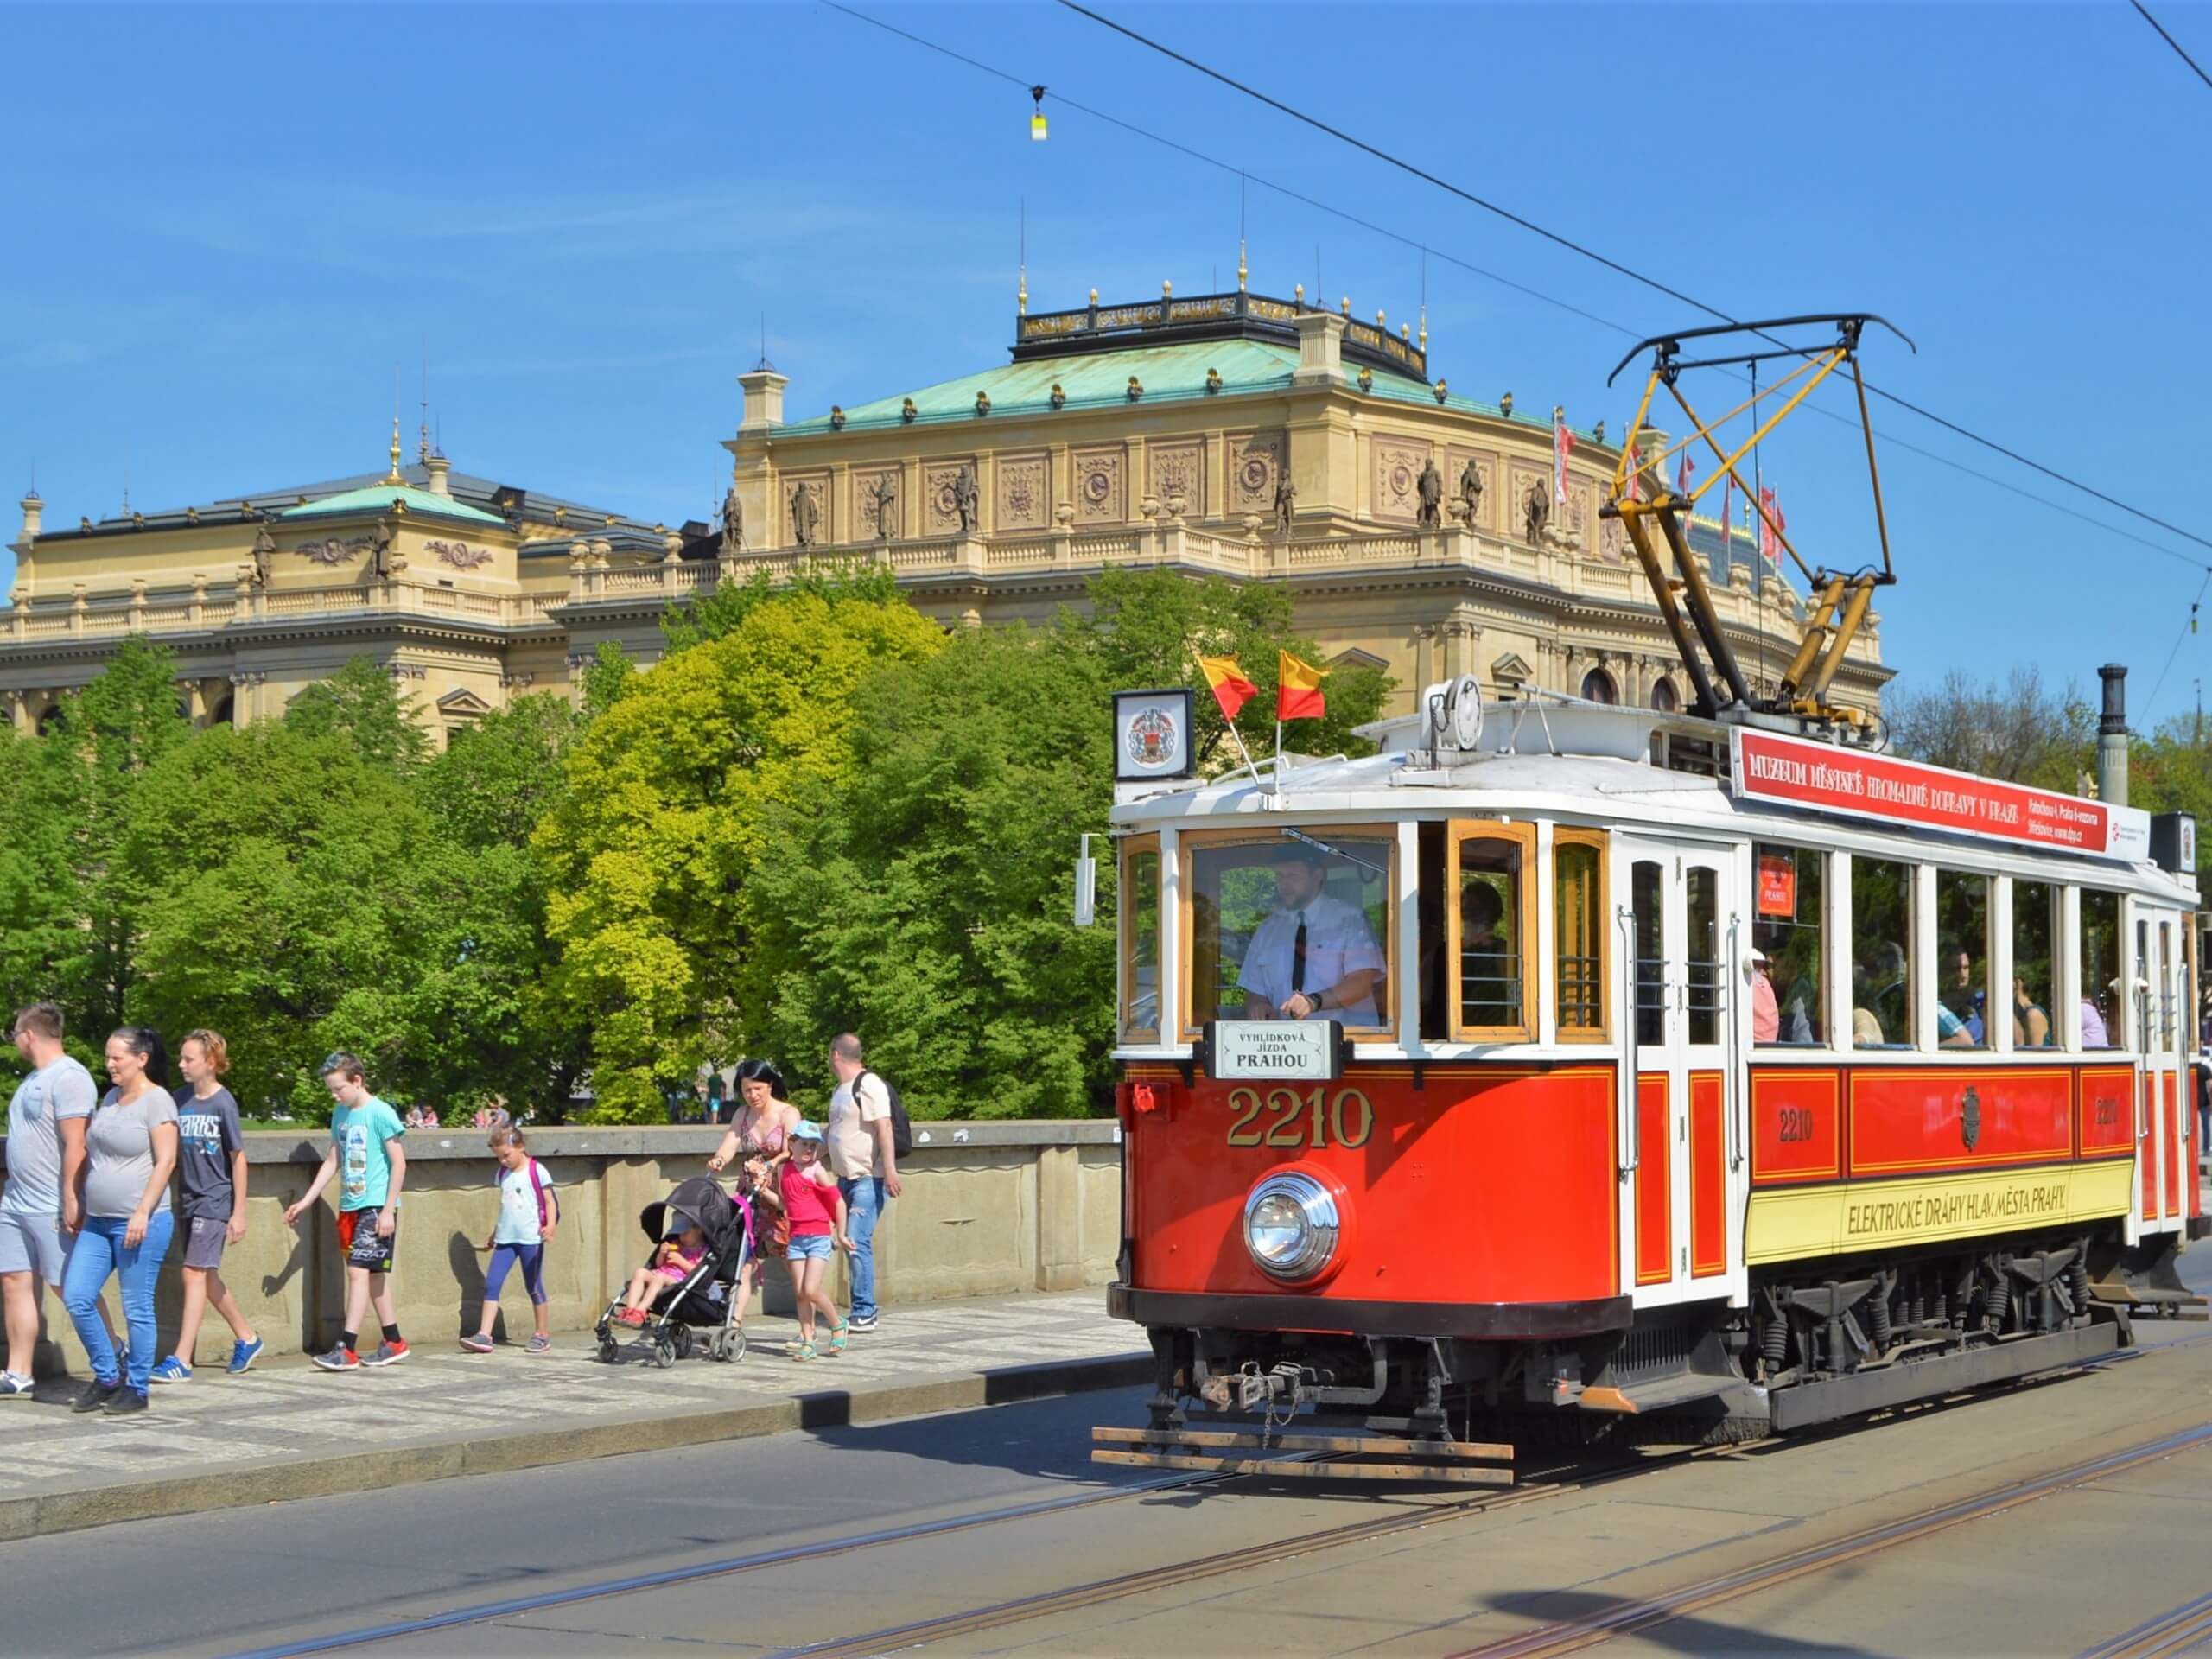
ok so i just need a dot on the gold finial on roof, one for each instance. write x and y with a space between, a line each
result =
1167 290
1298 292
1347 305
393 477
1241 273
1021 294
1424 327
1094 296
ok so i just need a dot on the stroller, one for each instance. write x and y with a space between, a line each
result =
706 1301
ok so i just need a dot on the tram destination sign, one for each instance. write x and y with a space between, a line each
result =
1298 1049
1796 772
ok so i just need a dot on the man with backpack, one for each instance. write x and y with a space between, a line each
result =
867 1133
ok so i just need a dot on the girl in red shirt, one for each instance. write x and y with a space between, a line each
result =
806 1193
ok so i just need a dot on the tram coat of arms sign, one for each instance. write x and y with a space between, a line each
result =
1151 736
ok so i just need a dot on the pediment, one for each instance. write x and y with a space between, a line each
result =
1356 657
463 704
1512 669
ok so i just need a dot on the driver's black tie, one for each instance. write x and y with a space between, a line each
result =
1298 957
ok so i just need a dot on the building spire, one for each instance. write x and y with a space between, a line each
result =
1241 272
393 477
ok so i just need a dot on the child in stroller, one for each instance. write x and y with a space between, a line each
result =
698 1216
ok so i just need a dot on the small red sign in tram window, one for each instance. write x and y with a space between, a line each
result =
1777 885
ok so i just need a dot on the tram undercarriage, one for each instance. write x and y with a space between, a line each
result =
1872 1333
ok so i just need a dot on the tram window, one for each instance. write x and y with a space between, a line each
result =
1492 942
1706 981
1291 928
1961 959
2034 929
2142 978
1646 897
1579 932
1792 886
1881 954
2103 1025
1141 939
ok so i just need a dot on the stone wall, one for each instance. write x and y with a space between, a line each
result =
990 1209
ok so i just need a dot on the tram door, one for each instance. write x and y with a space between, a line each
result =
2163 1024
1678 1210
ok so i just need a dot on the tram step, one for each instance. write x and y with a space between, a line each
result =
1662 1394
1458 1462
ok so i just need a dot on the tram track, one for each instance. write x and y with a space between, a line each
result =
1554 1480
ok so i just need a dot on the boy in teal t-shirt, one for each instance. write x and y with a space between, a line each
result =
372 1166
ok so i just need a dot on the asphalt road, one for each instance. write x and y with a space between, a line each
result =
2079 1564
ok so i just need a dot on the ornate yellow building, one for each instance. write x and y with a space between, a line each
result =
1229 434
1261 440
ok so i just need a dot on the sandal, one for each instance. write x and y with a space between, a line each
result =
804 1350
838 1338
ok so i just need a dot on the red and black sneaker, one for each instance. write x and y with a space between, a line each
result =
341 1358
387 1353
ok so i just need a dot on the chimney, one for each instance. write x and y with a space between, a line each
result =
33 510
764 398
1320 349
2112 737
439 468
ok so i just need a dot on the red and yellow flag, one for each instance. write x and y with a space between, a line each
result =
1230 688
1299 693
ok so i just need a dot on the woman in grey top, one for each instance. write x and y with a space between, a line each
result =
131 1152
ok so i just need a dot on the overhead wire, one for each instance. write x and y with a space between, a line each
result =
2179 51
1634 274
2188 627
1383 230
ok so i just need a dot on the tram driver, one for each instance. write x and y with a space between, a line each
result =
1314 954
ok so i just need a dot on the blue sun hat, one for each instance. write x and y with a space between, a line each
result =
807 1129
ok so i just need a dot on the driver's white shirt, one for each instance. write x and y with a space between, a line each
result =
1338 942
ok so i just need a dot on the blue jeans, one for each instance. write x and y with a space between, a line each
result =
99 1252
864 1203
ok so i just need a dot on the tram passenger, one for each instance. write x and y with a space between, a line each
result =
2094 1032
1767 1013
2031 1025
1490 971
1797 995
1887 1007
1313 954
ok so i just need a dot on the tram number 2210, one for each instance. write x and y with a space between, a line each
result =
1283 1118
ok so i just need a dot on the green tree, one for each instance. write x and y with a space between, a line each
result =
363 703
926 902
664 821
715 615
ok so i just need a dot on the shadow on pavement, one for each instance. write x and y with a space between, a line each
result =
1567 1613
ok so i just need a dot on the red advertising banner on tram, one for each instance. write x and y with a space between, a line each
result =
1796 772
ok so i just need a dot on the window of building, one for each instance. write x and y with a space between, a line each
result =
1646 902
2104 1020
1140 909
2035 962
1881 954
1597 687
1791 887
1491 932
1290 927
1961 959
1664 697
1579 932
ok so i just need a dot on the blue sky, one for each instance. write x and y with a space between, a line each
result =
228 228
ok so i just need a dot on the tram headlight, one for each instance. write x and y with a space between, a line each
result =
1291 1226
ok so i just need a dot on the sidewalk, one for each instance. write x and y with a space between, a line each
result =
288 1431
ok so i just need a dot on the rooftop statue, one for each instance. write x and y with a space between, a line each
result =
1431 485
1537 510
805 516
1286 502
1471 491
733 524
884 493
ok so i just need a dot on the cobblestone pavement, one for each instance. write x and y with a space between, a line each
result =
286 1411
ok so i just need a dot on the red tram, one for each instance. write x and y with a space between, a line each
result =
1600 1064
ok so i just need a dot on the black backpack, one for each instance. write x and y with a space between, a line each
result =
902 1126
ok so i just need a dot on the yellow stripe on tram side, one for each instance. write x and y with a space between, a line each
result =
1848 1216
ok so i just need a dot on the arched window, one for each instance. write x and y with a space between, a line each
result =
52 720
1597 687
1663 697
221 714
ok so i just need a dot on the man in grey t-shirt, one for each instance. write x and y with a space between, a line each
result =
46 1153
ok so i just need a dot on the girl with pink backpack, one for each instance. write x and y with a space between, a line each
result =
528 1214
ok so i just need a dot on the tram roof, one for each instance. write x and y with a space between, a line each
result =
1566 758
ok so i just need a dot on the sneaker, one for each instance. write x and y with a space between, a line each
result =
539 1346
15 1387
387 1353
341 1358
244 1354
123 1401
97 1393
172 1369
477 1344
861 1322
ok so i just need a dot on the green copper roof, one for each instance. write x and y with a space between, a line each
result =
380 497
1167 373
